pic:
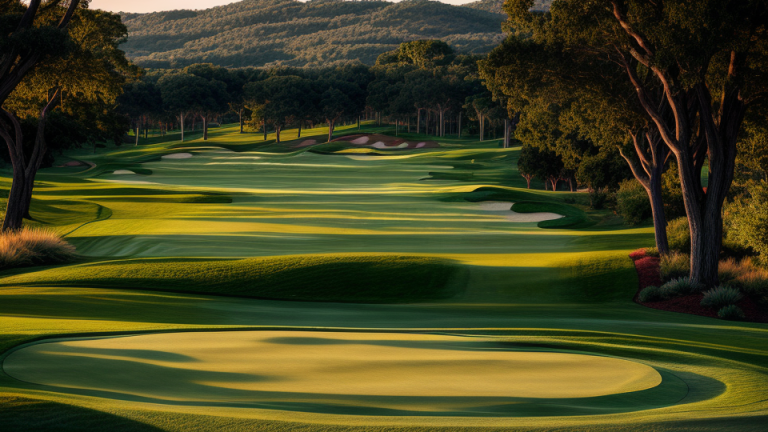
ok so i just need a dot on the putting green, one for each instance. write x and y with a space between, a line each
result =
387 370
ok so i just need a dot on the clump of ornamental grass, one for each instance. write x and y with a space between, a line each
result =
721 297
652 294
750 279
680 286
674 266
33 246
731 313
729 270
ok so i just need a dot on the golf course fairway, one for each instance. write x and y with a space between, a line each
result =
241 284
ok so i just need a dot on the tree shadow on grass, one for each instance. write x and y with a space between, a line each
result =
25 414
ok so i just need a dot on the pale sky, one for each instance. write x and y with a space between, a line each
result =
163 5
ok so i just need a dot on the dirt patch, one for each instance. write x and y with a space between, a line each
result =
306 143
648 271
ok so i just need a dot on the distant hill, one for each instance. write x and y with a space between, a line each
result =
496 6
291 33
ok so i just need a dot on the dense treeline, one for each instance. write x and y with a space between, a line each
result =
423 86
318 33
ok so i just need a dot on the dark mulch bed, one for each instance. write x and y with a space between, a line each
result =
649 275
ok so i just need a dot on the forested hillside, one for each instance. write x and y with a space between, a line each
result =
496 6
288 32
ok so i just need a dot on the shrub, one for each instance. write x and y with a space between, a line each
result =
675 265
731 312
679 287
749 220
652 252
651 294
28 247
720 297
753 281
679 235
632 202
729 270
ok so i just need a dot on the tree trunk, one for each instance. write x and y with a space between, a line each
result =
418 121
278 128
659 218
15 210
528 179
358 122
241 120
300 123
330 129
137 134
181 120
205 128
460 125
264 127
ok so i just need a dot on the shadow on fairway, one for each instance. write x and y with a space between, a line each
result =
18 413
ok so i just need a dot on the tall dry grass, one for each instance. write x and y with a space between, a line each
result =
33 246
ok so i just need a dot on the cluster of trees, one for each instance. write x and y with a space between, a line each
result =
60 73
318 33
658 81
423 85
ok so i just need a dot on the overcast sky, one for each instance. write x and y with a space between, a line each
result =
163 5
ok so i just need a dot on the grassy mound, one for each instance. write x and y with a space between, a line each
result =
574 218
326 278
28 247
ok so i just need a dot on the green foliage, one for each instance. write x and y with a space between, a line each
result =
749 221
679 235
426 54
349 279
675 265
720 297
652 294
731 313
293 33
632 202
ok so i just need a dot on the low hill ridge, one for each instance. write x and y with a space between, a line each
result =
292 33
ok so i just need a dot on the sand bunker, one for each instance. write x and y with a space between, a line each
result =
241 366
306 143
385 142
505 209
123 172
178 156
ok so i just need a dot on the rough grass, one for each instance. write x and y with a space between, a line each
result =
33 246
675 265
326 278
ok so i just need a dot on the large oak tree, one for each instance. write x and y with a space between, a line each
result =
695 67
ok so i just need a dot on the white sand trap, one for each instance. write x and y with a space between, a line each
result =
504 208
361 140
421 145
381 145
237 366
123 172
178 156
